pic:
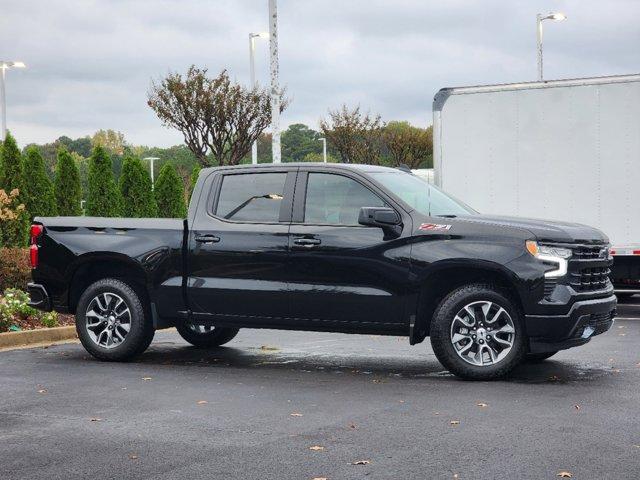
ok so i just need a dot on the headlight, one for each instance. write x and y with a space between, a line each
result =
556 255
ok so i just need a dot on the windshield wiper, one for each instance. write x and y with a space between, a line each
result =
447 215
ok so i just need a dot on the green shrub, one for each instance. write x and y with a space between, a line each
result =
67 187
37 193
14 306
135 187
104 198
169 192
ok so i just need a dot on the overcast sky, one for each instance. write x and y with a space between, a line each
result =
90 62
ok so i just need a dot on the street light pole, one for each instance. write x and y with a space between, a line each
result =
558 17
4 66
254 84
324 149
275 89
151 160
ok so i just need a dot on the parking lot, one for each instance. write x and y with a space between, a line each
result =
295 405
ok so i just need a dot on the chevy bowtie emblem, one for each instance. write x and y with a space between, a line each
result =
434 226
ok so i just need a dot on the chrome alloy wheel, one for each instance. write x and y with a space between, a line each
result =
108 320
482 333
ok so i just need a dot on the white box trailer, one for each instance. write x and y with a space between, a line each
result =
561 150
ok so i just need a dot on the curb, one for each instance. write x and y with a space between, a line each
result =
45 335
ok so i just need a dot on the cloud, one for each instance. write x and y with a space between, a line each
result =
90 63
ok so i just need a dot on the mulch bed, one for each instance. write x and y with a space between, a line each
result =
31 323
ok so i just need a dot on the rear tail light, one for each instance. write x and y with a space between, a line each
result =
36 231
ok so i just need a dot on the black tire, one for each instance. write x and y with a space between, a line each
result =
214 337
538 357
441 325
141 330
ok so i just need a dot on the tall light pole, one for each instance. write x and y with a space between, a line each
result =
557 17
5 66
275 88
324 149
151 160
254 84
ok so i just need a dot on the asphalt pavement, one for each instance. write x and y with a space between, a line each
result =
297 405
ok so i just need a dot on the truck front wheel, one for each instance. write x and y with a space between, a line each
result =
111 321
205 336
477 332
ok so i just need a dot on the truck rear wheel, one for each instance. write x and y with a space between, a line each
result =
477 332
111 321
208 336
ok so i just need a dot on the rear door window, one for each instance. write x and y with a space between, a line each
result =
251 197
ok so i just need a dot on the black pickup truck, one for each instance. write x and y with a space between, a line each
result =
326 247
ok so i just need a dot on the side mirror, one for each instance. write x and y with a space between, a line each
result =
383 217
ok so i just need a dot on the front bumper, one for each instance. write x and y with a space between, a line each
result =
39 298
586 318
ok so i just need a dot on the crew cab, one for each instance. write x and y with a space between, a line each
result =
328 247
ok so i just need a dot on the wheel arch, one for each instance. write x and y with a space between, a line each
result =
446 277
93 267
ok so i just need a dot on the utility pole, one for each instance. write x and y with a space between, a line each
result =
151 160
275 88
556 17
254 83
4 66
324 149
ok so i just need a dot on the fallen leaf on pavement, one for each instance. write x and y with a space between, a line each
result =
577 407
95 419
316 448
133 456
353 426
377 380
146 378
319 478
554 378
202 402
269 347
295 414
564 474
455 422
622 334
43 390
361 462
482 405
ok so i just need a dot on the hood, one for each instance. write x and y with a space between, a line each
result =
543 230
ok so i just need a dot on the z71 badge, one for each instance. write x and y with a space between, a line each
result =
434 226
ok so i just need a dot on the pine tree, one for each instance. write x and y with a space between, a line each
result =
135 187
103 197
11 173
169 193
37 193
194 178
67 188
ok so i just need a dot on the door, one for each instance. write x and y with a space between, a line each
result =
342 272
238 246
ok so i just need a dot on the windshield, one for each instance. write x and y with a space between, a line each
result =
425 198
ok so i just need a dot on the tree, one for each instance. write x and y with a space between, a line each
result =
407 145
11 172
355 136
111 140
135 188
215 115
194 179
298 141
169 193
104 197
67 188
37 193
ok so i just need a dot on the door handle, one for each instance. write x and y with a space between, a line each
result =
207 239
307 242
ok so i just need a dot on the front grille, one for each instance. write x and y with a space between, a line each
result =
549 287
586 252
588 279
